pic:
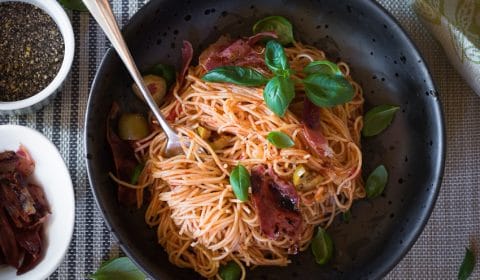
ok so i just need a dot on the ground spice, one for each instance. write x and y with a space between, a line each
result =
31 50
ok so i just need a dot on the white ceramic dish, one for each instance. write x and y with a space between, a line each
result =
52 175
37 101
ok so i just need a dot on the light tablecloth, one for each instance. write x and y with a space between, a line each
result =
454 224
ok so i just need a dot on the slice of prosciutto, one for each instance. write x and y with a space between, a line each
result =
312 130
239 52
277 204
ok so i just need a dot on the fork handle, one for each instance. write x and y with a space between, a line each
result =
102 13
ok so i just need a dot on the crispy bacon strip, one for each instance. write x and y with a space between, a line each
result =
123 157
277 204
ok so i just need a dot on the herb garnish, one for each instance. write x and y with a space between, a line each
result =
119 268
240 181
238 75
322 246
467 266
325 86
277 24
230 271
376 182
378 118
280 139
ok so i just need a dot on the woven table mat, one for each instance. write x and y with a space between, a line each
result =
454 224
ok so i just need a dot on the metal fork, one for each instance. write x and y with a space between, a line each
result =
102 13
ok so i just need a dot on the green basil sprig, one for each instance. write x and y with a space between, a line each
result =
119 268
467 266
280 139
238 75
277 24
136 173
276 60
324 67
322 246
347 216
75 5
377 119
278 94
230 271
166 71
327 90
280 90
376 182
240 181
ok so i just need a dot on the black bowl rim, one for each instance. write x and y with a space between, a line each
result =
439 169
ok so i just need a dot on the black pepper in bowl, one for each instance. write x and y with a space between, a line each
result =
31 48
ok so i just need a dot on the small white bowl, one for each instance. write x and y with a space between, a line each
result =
52 175
37 101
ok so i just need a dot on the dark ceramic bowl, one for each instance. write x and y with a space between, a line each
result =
382 58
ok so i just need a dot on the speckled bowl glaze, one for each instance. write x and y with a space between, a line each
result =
38 100
383 60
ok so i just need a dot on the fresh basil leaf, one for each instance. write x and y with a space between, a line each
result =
280 139
230 271
277 24
322 67
164 70
236 75
347 216
322 246
240 181
276 59
467 266
136 173
76 5
377 119
328 90
119 268
376 182
278 93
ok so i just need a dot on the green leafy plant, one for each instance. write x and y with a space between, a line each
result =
278 94
119 268
347 216
376 182
322 246
324 67
327 90
230 271
378 118
276 60
280 139
467 266
76 5
240 181
136 173
163 70
238 75
277 24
